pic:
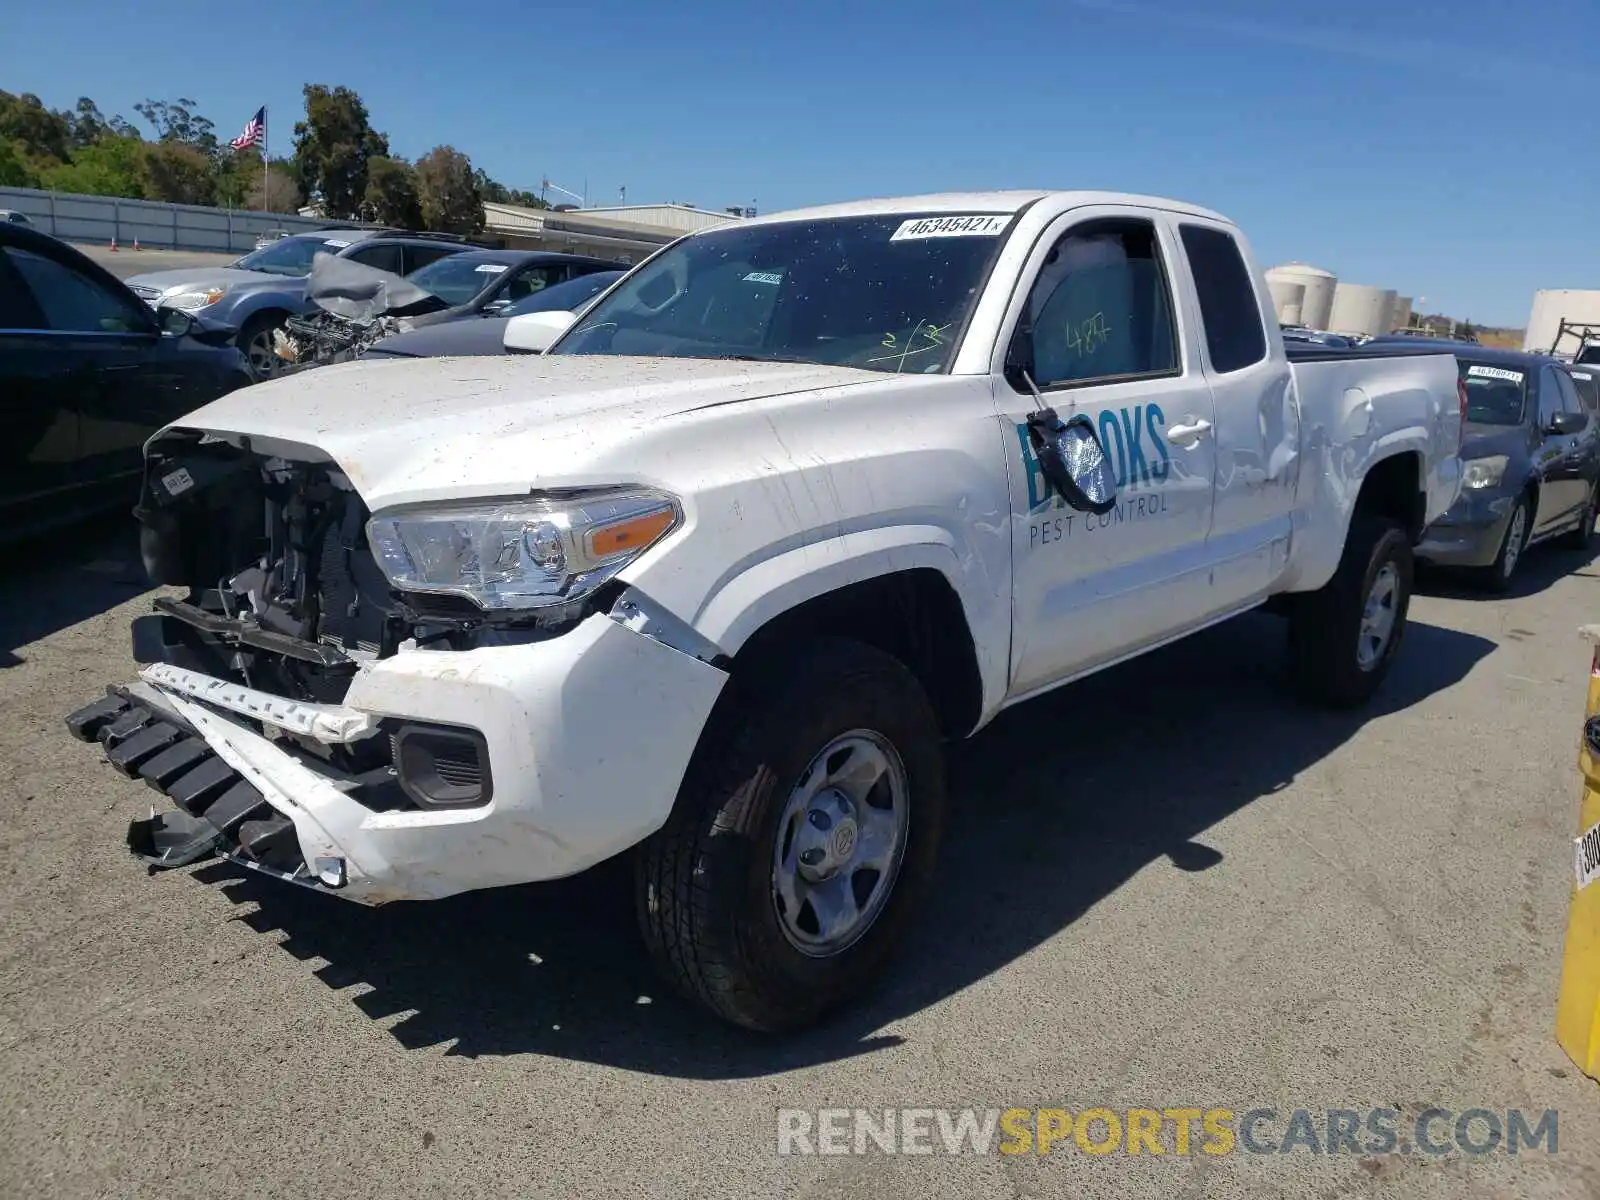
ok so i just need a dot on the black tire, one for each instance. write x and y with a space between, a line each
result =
1325 626
262 324
704 883
1582 537
1498 576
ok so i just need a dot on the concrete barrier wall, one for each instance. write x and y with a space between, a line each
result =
98 219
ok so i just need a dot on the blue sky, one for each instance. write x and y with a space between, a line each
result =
1433 147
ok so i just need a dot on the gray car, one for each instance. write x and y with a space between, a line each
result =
257 293
1530 464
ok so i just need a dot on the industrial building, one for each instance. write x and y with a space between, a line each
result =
628 234
1307 295
1316 293
1575 306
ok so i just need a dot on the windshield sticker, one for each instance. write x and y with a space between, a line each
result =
335 242
179 482
936 227
491 268
1482 372
772 277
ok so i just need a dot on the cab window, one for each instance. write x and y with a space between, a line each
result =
1101 308
1229 308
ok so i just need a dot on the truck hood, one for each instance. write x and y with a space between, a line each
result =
414 429
199 278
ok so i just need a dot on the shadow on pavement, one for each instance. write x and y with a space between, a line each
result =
77 572
1054 807
1541 568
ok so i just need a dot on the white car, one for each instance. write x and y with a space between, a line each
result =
715 577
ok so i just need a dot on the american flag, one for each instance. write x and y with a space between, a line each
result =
254 132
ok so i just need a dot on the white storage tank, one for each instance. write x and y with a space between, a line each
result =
1554 305
1361 309
1288 300
1316 307
1400 318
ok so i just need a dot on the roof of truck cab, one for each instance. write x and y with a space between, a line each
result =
973 202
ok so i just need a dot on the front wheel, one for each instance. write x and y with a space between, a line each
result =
1344 636
803 840
255 343
1497 576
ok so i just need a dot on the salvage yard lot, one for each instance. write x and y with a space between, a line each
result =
1167 886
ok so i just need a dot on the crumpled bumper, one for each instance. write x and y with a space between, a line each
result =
587 737
1469 535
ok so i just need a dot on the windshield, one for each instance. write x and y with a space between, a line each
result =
888 293
1496 395
1588 385
564 297
290 255
455 281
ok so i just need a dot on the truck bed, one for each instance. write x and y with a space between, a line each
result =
1312 352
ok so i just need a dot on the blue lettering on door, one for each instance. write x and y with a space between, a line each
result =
1134 441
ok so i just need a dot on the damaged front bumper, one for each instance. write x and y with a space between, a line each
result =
581 742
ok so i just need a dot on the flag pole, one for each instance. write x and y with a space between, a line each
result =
266 185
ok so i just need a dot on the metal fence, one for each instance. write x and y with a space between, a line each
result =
153 224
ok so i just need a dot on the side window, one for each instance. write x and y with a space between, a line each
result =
421 256
1551 401
383 257
535 279
1569 394
73 303
1229 307
1100 307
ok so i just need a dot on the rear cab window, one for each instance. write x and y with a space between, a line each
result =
1497 393
1229 307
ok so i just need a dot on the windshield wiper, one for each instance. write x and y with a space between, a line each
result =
780 358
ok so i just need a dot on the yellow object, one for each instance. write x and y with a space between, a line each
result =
1578 1006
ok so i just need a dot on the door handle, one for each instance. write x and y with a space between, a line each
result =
1193 432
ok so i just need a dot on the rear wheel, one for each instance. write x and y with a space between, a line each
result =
1582 537
1344 636
1497 576
803 839
255 343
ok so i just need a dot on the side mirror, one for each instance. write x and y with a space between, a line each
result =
1073 461
534 333
1564 424
175 322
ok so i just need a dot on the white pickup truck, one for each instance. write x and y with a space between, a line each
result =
714 578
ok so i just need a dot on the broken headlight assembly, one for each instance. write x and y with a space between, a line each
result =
527 553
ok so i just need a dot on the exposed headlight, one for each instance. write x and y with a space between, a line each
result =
1483 472
190 300
524 553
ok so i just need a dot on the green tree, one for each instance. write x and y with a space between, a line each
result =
391 196
44 136
179 173
278 192
113 166
178 122
448 191
332 147
15 170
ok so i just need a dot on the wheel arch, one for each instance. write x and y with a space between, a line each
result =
911 610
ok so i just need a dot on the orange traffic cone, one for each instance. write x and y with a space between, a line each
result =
113 243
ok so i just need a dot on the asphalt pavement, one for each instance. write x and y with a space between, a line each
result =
1166 886
125 261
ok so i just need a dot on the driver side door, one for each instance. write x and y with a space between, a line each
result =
1099 328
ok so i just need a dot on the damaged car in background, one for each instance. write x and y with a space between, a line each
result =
713 579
